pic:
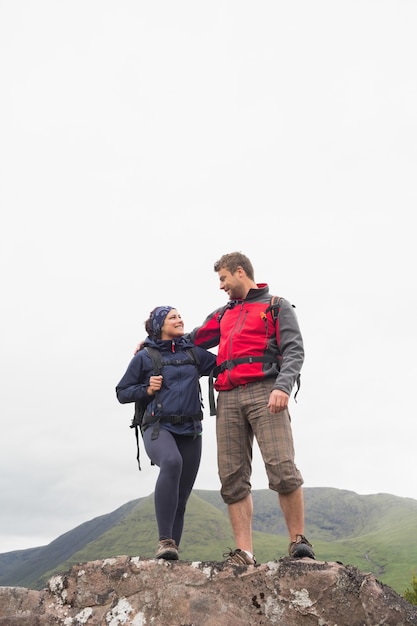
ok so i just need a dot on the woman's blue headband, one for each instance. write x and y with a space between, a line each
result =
158 316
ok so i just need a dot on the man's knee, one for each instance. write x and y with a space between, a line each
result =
284 478
233 493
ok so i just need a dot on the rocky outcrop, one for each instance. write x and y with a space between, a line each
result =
139 592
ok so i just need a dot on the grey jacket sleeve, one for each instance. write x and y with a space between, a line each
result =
291 348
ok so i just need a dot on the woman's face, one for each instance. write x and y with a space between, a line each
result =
173 325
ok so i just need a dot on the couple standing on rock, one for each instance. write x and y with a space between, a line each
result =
260 355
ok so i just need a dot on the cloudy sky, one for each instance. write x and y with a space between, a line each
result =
142 140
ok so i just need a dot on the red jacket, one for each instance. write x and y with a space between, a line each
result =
244 329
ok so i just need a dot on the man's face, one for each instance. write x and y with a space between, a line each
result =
232 283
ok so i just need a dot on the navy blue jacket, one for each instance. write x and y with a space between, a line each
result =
180 391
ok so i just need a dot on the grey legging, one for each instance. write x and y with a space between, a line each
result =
178 458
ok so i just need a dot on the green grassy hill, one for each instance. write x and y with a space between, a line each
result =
25 567
376 533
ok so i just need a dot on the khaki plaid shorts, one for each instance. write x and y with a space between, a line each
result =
242 413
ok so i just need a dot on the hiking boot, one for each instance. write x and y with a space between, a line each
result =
301 548
167 549
239 557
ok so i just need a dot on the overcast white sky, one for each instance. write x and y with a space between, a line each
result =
142 140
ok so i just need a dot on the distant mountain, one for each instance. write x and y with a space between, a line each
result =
375 533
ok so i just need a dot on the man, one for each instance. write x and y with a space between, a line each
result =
259 359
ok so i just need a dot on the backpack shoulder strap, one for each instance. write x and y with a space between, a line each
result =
139 407
228 305
196 360
193 354
156 359
274 307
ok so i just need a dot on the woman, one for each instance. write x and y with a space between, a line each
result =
171 425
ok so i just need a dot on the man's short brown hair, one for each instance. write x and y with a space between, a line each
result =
232 261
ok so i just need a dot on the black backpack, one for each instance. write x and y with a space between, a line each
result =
140 407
